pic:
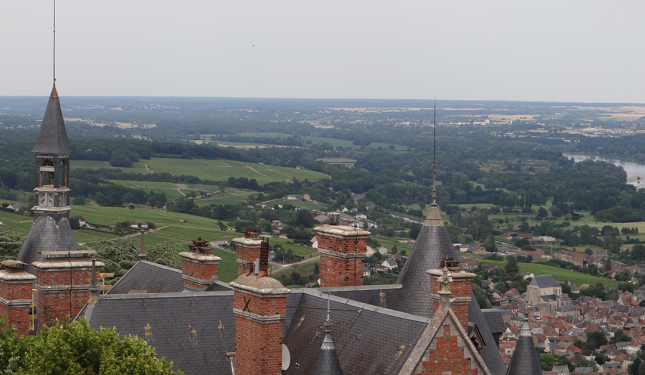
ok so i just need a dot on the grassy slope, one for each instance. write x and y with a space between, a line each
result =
217 170
294 203
558 273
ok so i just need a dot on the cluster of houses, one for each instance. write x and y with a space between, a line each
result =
557 322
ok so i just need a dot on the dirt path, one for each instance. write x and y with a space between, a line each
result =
128 236
261 174
279 265
147 168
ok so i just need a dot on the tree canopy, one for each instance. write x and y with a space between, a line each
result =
74 348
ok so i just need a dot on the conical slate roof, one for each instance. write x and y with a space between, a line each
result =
46 235
327 363
430 247
432 244
525 360
52 139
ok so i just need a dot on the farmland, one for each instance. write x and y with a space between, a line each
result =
558 273
215 170
335 142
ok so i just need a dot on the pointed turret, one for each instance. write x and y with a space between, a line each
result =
525 360
327 363
52 139
430 247
51 230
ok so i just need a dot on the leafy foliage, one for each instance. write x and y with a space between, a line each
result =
74 348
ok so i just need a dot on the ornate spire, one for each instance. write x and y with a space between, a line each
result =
434 217
328 363
525 360
52 139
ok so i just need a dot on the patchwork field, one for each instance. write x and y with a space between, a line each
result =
216 170
558 273
294 203
314 140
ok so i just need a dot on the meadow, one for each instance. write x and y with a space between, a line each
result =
215 170
558 273
335 142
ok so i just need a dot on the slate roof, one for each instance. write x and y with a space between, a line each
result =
525 360
489 352
367 338
545 281
194 330
428 250
149 276
377 295
494 320
46 235
430 247
52 139
327 362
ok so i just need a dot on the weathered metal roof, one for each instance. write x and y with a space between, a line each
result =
525 360
52 139
194 330
151 277
46 235
368 339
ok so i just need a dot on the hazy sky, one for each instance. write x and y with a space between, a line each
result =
586 50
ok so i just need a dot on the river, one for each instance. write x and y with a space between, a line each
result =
635 171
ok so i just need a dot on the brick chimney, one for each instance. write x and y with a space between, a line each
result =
458 294
247 250
15 296
63 280
342 249
199 266
260 306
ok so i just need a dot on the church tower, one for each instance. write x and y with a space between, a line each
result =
51 230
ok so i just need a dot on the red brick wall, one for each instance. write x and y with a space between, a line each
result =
18 317
335 272
246 253
266 306
199 270
447 356
258 345
14 291
459 288
55 304
342 245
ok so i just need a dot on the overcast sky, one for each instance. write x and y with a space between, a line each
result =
585 51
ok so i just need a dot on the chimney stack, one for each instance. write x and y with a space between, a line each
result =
342 249
458 294
15 296
142 253
260 307
199 266
247 250
63 280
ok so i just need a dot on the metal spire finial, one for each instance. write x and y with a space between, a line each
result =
434 151
328 323
54 43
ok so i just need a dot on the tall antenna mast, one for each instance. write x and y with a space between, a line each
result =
54 42
434 151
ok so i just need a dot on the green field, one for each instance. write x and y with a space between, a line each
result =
306 268
228 196
294 203
304 251
335 142
215 170
558 273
